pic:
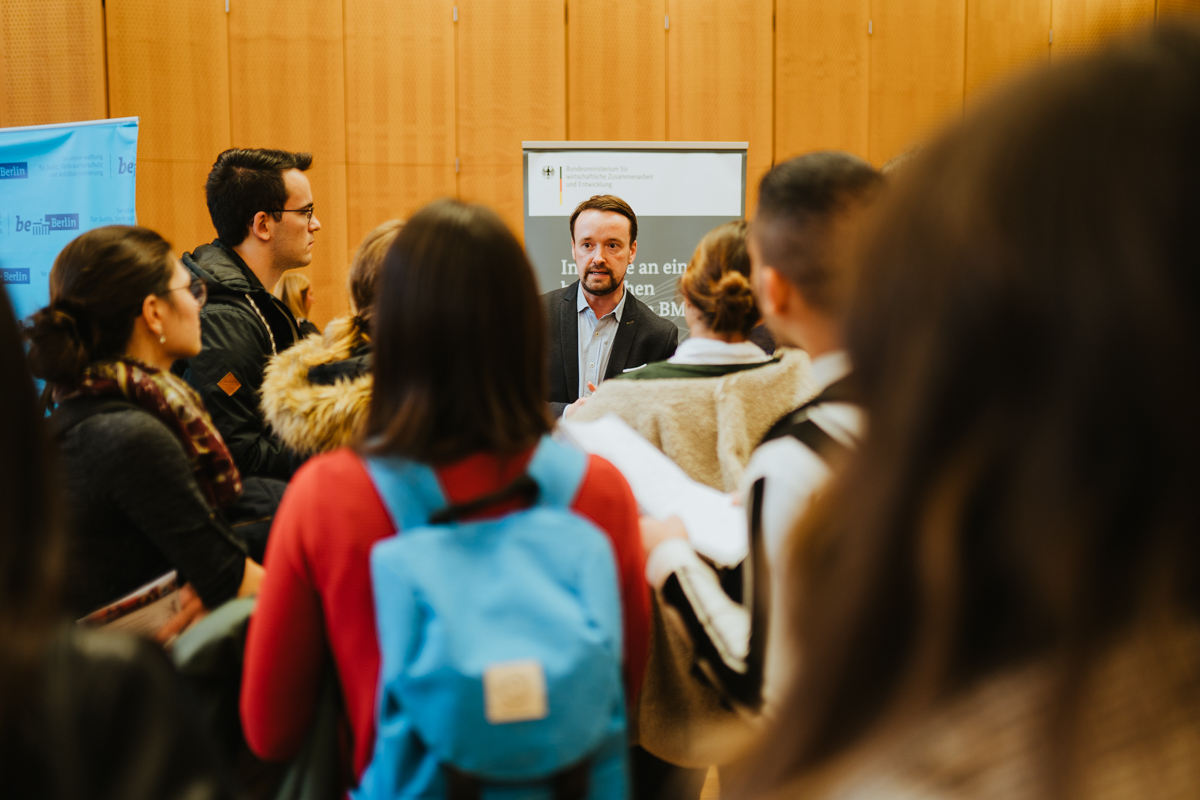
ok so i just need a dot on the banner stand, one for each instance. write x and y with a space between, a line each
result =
57 181
678 190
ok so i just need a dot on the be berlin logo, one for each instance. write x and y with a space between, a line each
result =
14 170
50 224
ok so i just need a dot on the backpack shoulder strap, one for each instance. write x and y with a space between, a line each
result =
800 426
410 491
558 471
413 496
814 437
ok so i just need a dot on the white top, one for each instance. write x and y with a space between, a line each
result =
830 367
696 350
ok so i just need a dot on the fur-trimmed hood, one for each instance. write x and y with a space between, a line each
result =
313 418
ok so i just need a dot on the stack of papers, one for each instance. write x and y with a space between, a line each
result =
142 611
716 526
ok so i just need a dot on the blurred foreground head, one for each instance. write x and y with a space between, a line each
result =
810 211
1026 337
30 543
459 340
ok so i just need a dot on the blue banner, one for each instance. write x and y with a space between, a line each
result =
57 181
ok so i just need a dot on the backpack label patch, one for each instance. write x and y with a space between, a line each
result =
515 691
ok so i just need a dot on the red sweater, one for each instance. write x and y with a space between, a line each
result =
317 569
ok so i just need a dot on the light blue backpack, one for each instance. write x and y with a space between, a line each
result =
500 643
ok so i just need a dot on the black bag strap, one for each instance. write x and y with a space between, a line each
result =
524 487
801 427
75 410
318 771
571 783
758 596
737 688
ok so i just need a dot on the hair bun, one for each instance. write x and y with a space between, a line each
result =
734 307
61 338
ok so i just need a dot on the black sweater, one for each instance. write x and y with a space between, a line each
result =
135 512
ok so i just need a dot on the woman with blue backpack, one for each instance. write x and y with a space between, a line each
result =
476 588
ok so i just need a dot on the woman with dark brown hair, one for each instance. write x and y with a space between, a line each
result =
709 405
459 369
82 713
1000 596
147 474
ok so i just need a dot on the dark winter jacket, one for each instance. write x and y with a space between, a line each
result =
243 326
353 367
642 338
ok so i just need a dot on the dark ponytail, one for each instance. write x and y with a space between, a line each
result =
717 282
97 287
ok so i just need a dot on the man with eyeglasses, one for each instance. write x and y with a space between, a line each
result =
261 205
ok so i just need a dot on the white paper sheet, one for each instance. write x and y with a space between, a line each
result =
716 526
143 611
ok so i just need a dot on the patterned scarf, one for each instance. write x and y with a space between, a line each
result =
179 408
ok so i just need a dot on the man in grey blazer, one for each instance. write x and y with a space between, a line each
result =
597 329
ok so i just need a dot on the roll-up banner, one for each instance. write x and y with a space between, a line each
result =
678 190
57 181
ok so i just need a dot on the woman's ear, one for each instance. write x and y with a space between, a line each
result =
152 314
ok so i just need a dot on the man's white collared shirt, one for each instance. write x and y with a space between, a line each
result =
595 339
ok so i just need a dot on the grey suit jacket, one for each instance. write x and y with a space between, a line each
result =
643 337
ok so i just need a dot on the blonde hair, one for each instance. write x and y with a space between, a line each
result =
363 277
293 289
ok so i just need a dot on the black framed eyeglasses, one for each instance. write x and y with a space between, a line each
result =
308 212
198 289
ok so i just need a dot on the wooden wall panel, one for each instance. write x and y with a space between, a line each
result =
1178 9
400 110
822 86
170 200
330 260
387 95
719 76
172 71
623 98
917 71
51 61
287 87
1083 25
511 88
379 192
287 91
1005 37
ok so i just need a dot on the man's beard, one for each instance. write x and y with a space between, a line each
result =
612 287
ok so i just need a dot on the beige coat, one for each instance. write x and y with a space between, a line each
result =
708 426
313 418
